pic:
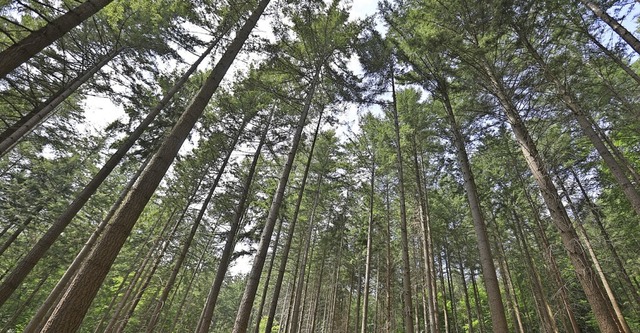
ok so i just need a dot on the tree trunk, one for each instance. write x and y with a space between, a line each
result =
26 48
39 319
187 291
546 316
244 311
498 317
584 271
295 318
25 266
622 323
14 133
75 303
367 267
153 319
390 322
465 289
407 303
570 101
611 22
427 246
291 233
597 216
225 259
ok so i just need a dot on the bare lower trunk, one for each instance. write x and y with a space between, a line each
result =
407 303
498 317
291 233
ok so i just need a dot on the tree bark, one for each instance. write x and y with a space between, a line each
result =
246 303
407 302
613 23
36 41
570 101
582 266
39 249
498 317
67 317
291 233
225 259
367 267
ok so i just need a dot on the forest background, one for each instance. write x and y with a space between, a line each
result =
405 166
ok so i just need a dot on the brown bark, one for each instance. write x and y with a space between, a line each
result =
498 317
20 52
578 113
39 319
67 317
225 258
587 277
291 233
153 320
407 303
39 249
246 304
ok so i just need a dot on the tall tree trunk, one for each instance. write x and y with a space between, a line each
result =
187 291
465 290
68 315
570 101
611 22
153 318
545 247
39 319
36 41
597 216
587 277
307 243
225 259
265 289
27 123
314 308
407 302
622 323
291 233
546 316
496 307
39 249
427 245
507 281
246 303
367 267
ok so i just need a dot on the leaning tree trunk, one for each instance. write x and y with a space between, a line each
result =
41 247
614 24
38 320
26 48
27 123
244 311
207 312
496 307
68 316
624 327
597 216
291 233
570 101
406 271
583 269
